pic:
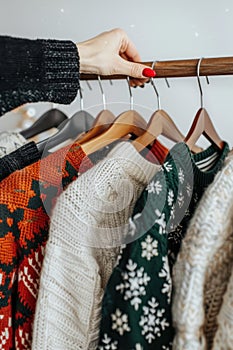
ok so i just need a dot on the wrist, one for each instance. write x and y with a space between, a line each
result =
86 61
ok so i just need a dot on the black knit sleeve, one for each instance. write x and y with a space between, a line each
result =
37 70
18 159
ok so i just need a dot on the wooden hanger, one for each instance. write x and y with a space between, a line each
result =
202 124
160 123
101 123
129 122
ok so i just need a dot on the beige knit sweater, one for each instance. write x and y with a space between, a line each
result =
223 339
204 264
87 228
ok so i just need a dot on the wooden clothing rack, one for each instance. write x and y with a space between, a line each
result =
181 68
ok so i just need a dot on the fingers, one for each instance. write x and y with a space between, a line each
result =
113 53
129 50
137 82
135 70
133 81
129 53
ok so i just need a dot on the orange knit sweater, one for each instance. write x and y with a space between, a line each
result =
26 200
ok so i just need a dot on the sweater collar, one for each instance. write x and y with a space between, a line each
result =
205 177
191 164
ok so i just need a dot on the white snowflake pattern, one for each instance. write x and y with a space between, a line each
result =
188 190
172 212
120 322
149 248
152 322
181 176
167 166
161 221
134 284
165 273
154 187
170 197
138 347
108 344
180 200
171 226
164 347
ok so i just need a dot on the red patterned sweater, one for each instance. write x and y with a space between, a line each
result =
26 200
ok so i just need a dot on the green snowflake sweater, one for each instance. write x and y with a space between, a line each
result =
136 309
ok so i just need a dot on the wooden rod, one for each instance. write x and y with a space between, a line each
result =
181 68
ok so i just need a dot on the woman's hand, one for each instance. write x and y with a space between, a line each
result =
112 53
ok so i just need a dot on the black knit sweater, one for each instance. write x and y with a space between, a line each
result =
37 70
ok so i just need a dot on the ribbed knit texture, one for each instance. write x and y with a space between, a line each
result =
224 336
217 277
19 159
26 200
37 70
157 153
203 267
136 312
87 228
10 141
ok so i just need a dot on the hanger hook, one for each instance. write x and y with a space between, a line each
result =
154 87
199 81
89 85
130 94
167 82
81 98
102 92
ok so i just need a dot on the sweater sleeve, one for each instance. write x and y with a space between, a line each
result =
18 159
37 70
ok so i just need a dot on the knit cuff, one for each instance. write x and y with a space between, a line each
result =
61 70
37 70
18 159
29 153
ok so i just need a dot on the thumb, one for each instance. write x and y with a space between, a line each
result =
135 70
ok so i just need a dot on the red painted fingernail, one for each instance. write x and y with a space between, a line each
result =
149 73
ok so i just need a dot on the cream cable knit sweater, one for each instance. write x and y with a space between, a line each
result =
88 223
202 269
224 337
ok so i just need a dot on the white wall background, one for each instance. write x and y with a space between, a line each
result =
161 30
